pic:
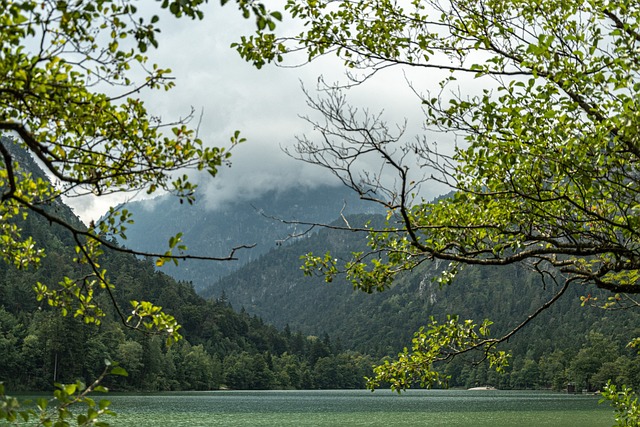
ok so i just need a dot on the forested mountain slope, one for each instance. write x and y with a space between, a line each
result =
220 347
274 288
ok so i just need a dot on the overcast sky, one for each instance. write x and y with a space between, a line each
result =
263 104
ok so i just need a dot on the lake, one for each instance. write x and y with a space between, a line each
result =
360 408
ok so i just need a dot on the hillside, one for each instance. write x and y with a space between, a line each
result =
274 288
566 344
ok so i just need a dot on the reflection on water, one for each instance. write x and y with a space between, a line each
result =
360 408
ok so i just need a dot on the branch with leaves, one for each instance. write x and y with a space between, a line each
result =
540 156
72 124
59 411
442 342
55 58
546 165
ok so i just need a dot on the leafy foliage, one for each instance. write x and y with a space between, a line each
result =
545 169
438 343
88 141
625 404
69 98
57 412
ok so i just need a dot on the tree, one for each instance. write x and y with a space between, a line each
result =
199 369
589 361
56 58
545 167
246 371
69 99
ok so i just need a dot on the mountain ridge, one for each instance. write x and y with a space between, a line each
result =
263 223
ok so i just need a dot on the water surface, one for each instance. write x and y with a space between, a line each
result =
360 408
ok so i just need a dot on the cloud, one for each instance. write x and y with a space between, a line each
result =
264 105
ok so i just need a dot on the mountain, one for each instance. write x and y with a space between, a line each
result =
215 232
40 346
274 288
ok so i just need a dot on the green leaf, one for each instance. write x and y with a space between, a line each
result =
276 15
70 388
118 370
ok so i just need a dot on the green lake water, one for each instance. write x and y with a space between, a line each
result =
360 408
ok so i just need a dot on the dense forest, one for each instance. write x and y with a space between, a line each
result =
569 343
221 347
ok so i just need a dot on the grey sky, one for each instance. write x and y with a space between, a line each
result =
263 104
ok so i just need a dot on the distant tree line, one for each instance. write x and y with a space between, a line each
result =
42 348
241 352
600 359
226 350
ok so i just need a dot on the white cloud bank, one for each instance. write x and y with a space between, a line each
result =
264 105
